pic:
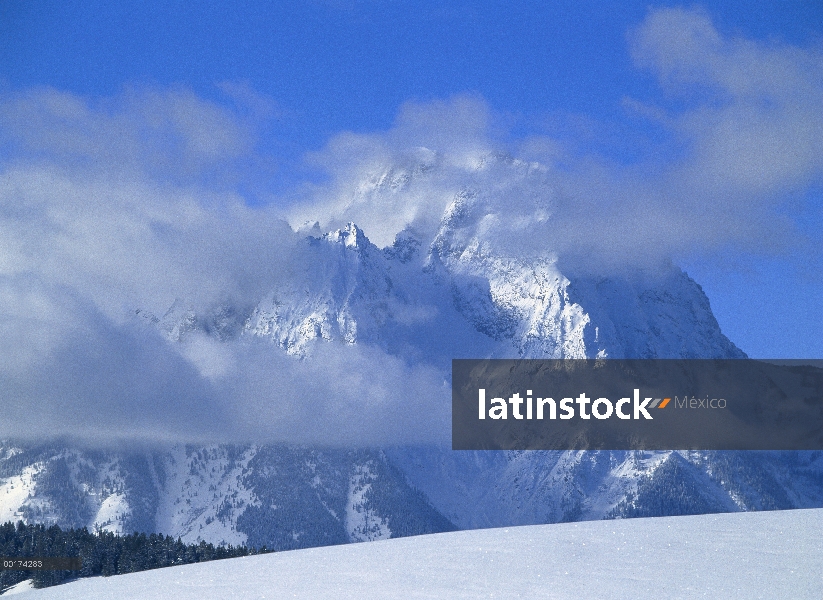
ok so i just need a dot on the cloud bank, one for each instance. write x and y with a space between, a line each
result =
131 202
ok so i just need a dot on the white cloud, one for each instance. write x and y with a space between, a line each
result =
170 134
754 119
81 253
92 228
405 176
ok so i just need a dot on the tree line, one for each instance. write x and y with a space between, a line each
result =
102 552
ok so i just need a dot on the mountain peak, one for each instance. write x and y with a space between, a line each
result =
350 236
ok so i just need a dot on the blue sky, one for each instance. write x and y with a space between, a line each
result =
579 75
349 65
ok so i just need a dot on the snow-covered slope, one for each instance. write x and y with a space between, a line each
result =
757 555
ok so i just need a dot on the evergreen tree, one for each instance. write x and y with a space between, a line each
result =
101 552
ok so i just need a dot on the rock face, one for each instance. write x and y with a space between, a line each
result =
454 295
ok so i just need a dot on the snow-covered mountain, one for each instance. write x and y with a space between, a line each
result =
459 294
287 497
257 495
454 293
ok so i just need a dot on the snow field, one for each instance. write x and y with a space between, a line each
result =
740 555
